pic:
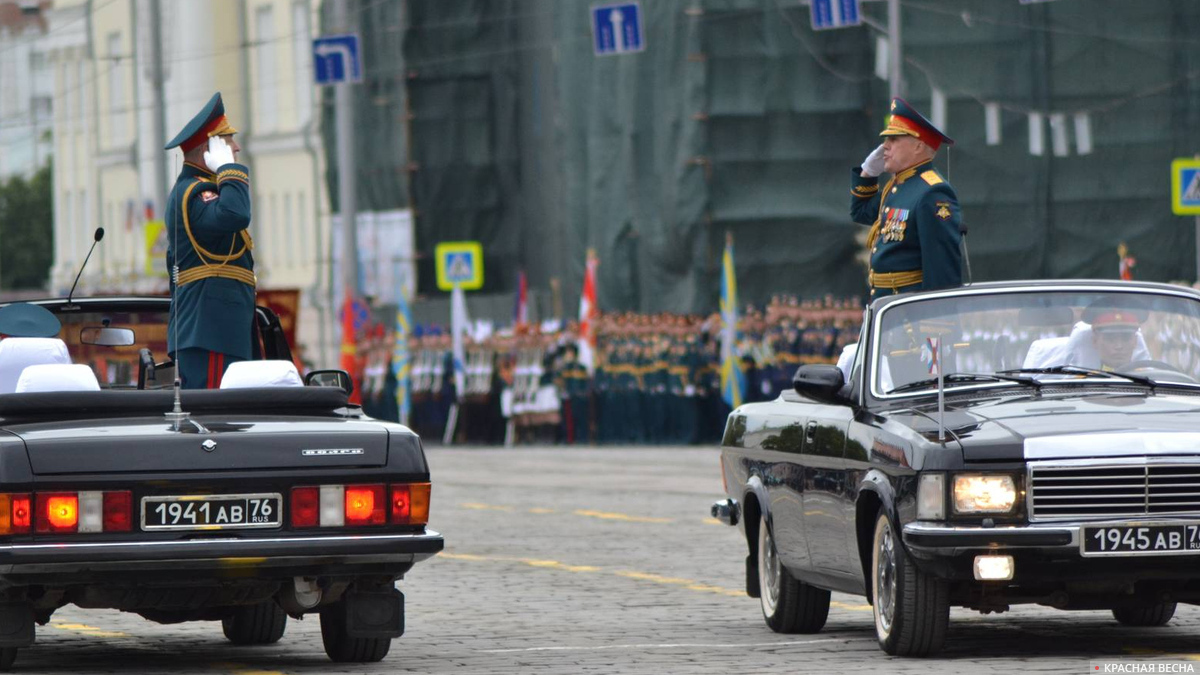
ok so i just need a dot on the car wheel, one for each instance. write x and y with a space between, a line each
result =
343 648
788 604
911 608
1157 614
260 624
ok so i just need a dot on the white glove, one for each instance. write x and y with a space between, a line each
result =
218 154
871 166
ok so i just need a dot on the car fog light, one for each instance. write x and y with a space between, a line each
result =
994 567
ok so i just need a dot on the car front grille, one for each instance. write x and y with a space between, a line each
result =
1058 492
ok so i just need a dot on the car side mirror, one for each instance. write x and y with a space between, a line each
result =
330 378
106 337
820 382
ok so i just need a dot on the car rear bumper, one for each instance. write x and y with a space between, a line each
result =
281 556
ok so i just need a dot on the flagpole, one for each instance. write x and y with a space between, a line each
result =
941 394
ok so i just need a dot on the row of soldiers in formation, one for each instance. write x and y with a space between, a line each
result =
655 378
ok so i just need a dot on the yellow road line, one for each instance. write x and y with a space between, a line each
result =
85 629
620 516
485 507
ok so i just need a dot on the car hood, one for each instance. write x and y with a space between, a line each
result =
1088 424
213 443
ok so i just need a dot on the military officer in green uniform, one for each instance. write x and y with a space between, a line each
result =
914 219
209 254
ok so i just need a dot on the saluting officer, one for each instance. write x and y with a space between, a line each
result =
914 238
212 269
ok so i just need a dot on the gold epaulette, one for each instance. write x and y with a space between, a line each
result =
931 177
219 271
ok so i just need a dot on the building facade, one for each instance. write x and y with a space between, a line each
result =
26 90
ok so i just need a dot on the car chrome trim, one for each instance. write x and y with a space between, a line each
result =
1138 485
1016 289
941 535
207 542
726 511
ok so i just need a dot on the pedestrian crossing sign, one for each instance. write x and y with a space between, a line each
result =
1185 186
459 263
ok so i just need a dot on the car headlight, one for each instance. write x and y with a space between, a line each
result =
978 493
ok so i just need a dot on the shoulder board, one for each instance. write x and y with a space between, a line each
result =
931 177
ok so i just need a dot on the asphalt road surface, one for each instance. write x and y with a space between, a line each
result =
562 560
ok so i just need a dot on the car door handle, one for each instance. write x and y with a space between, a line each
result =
810 433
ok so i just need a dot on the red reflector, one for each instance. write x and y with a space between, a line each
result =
306 506
118 514
57 512
15 514
365 505
401 504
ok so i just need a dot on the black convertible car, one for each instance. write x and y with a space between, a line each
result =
1056 460
270 498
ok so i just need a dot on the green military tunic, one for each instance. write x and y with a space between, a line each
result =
915 238
212 281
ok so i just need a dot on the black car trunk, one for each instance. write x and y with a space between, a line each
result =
101 432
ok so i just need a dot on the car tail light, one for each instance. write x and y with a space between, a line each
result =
118 511
410 504
365 505
306 506
57 512
15 513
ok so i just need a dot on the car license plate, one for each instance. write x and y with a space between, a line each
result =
211 512
1160 539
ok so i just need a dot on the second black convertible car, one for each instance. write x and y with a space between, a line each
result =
269 498
1058 463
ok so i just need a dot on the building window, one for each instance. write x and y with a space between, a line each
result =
301 47
264 57
289 226
302 229
116 91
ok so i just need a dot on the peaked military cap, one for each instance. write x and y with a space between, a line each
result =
209 122
904 120
22 319
1109 314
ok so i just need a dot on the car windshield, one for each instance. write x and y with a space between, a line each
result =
1026 338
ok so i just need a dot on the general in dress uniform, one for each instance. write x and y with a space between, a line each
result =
914 219
212 268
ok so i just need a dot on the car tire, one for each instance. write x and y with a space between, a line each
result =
911 608
341 647
788 604
1157 614
260 624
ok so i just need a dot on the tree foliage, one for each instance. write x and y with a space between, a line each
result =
27 230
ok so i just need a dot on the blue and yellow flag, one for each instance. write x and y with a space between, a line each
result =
733 380
400 355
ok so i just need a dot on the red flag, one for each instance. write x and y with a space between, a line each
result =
350 346
588 312
521 309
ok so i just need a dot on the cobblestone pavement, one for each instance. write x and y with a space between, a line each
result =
597 560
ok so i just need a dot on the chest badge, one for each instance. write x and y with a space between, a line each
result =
943 210
209 445
895 224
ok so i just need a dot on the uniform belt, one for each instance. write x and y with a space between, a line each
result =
223 271
895 280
